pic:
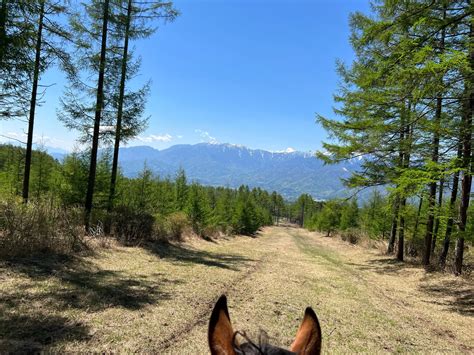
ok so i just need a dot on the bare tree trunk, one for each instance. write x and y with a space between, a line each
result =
118 128
437 221
401 232
393 231
3 28
417 220
466 161
406 150
450 223
434 158
98 114
31 118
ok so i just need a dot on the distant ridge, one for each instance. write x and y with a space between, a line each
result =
289 172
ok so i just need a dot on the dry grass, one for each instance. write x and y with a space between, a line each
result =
157 298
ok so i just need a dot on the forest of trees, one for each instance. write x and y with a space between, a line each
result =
146 202
406 106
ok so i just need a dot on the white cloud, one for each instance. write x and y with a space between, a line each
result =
206 137
155 138
287 150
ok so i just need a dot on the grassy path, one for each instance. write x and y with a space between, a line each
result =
158 299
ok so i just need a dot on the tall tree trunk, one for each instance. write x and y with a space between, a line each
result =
450 223
437 221
394 228
401 231
3 29
434 159
466 158
118 128
31 118
417 220
406 150
98 114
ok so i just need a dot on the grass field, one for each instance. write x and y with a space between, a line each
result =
158 298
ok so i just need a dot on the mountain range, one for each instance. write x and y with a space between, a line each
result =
291 173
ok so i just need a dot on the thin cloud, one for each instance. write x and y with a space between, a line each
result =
155 138
206 137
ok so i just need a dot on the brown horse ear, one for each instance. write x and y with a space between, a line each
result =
308 337
220 333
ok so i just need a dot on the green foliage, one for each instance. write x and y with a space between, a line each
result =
197 208
246 219
349 215
328 220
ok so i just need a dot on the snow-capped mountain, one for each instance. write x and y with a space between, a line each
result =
289 172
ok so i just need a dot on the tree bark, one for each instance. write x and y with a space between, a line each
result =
3 29
466 159
417 220
437 221
393 231
450 223
434 158
31 118
118 128
98 115
401 232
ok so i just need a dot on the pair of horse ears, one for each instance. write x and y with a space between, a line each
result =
221 334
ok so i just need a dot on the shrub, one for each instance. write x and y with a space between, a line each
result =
132 227
39 227
160 230
351 235
176 224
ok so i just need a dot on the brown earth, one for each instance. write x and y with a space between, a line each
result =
158 298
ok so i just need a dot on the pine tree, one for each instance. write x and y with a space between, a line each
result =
47 50
349 215
133 23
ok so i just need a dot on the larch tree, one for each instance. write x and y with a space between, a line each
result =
133 21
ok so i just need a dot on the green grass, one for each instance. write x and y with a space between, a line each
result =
158 298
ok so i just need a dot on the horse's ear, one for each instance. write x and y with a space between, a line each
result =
220 333
308 337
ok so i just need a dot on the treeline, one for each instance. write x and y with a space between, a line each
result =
371 219
406 105
144 205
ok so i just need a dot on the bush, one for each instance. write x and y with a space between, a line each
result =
132 227
160 230
351 235
39 227
176 224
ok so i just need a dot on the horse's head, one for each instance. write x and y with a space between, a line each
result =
222 338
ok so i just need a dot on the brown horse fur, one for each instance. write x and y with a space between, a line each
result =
222 338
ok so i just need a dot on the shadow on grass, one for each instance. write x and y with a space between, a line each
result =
185 255
386 266
454 295
27 334
82 285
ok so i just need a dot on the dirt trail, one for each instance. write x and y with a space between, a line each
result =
365 301
159 299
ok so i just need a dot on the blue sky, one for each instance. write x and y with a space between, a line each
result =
247 72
